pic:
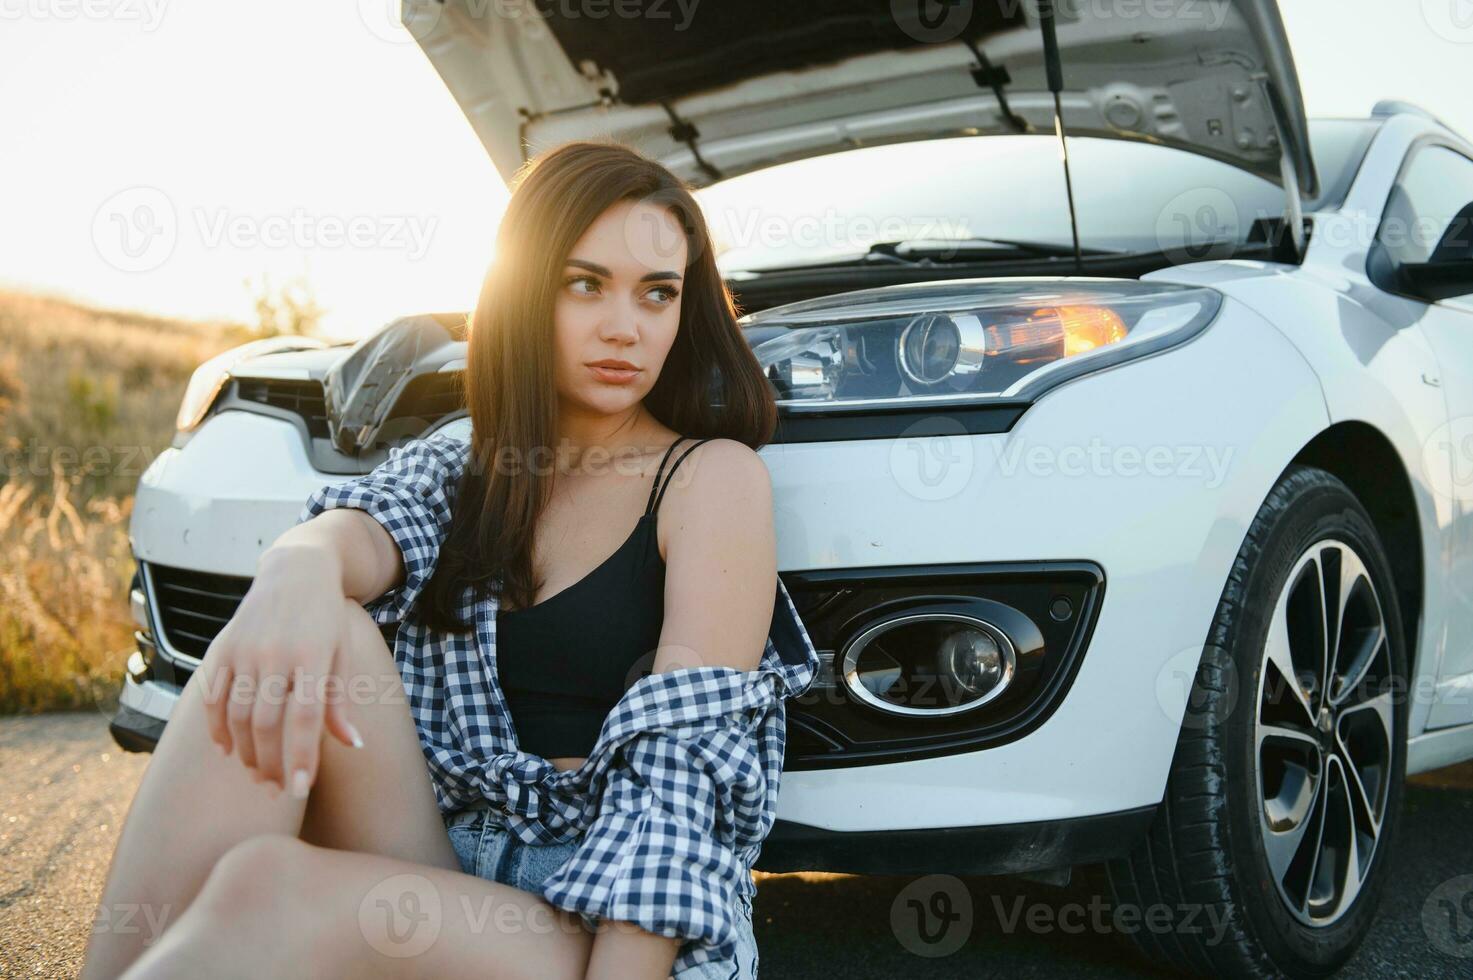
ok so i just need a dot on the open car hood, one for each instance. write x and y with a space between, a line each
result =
714 89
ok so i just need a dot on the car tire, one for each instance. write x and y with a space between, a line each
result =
1215 855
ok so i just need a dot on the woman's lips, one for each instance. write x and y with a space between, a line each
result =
613 376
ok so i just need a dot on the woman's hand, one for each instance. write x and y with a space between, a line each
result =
270 675
624 949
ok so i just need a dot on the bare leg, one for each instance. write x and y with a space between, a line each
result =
276 906
195 804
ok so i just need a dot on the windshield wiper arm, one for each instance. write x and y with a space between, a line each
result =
962 249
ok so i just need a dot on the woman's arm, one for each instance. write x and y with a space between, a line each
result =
720 582
344 546
269 677
721 560
410 497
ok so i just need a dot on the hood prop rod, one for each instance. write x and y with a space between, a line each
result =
1288 170
1055 69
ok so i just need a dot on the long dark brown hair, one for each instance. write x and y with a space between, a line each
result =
710 385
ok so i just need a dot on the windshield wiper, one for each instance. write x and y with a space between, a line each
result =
968 249
930 251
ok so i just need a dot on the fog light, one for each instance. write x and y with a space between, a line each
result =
970 659
928 663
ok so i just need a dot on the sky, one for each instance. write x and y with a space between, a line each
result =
155 154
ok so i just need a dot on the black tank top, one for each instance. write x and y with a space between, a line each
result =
564 662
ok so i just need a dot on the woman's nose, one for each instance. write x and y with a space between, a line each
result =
622 323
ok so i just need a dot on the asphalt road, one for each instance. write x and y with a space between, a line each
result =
65 788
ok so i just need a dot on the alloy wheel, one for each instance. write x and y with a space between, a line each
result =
1323 727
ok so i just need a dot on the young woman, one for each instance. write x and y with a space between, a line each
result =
567 762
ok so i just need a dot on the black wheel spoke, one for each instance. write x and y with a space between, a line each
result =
1287 689
1363 740
1360 633
1291 812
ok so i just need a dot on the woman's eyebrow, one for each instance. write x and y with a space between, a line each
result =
597 269
591 267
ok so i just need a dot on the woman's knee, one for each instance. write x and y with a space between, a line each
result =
365 648
251 877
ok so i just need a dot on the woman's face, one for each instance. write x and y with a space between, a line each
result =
618 300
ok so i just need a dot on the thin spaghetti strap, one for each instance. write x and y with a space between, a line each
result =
676 467
649 505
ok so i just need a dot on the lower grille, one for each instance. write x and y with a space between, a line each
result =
192 607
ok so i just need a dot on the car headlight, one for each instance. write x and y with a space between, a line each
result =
967 341
210 377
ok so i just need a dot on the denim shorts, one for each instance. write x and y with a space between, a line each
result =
488 849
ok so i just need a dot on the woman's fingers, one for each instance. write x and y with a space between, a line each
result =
270 699
213 677
267 718
336 717
214 680
302 734
238 709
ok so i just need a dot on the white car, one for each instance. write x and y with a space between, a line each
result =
1155 555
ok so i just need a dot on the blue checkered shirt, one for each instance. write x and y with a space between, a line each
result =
680 789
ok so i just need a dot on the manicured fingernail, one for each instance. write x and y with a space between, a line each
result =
299 784
353 734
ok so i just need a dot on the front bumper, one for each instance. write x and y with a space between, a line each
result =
143 709
1021 848
1000 849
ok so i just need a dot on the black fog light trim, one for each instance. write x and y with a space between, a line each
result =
1047 609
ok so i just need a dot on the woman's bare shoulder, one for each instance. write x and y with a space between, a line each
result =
722 468
721 482
716 475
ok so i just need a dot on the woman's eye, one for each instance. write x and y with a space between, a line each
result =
664 294
583 285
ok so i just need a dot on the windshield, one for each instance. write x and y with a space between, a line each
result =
1131 197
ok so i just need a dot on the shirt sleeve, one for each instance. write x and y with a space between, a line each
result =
411 494
662 851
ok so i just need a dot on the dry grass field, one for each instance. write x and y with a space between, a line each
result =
87 400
